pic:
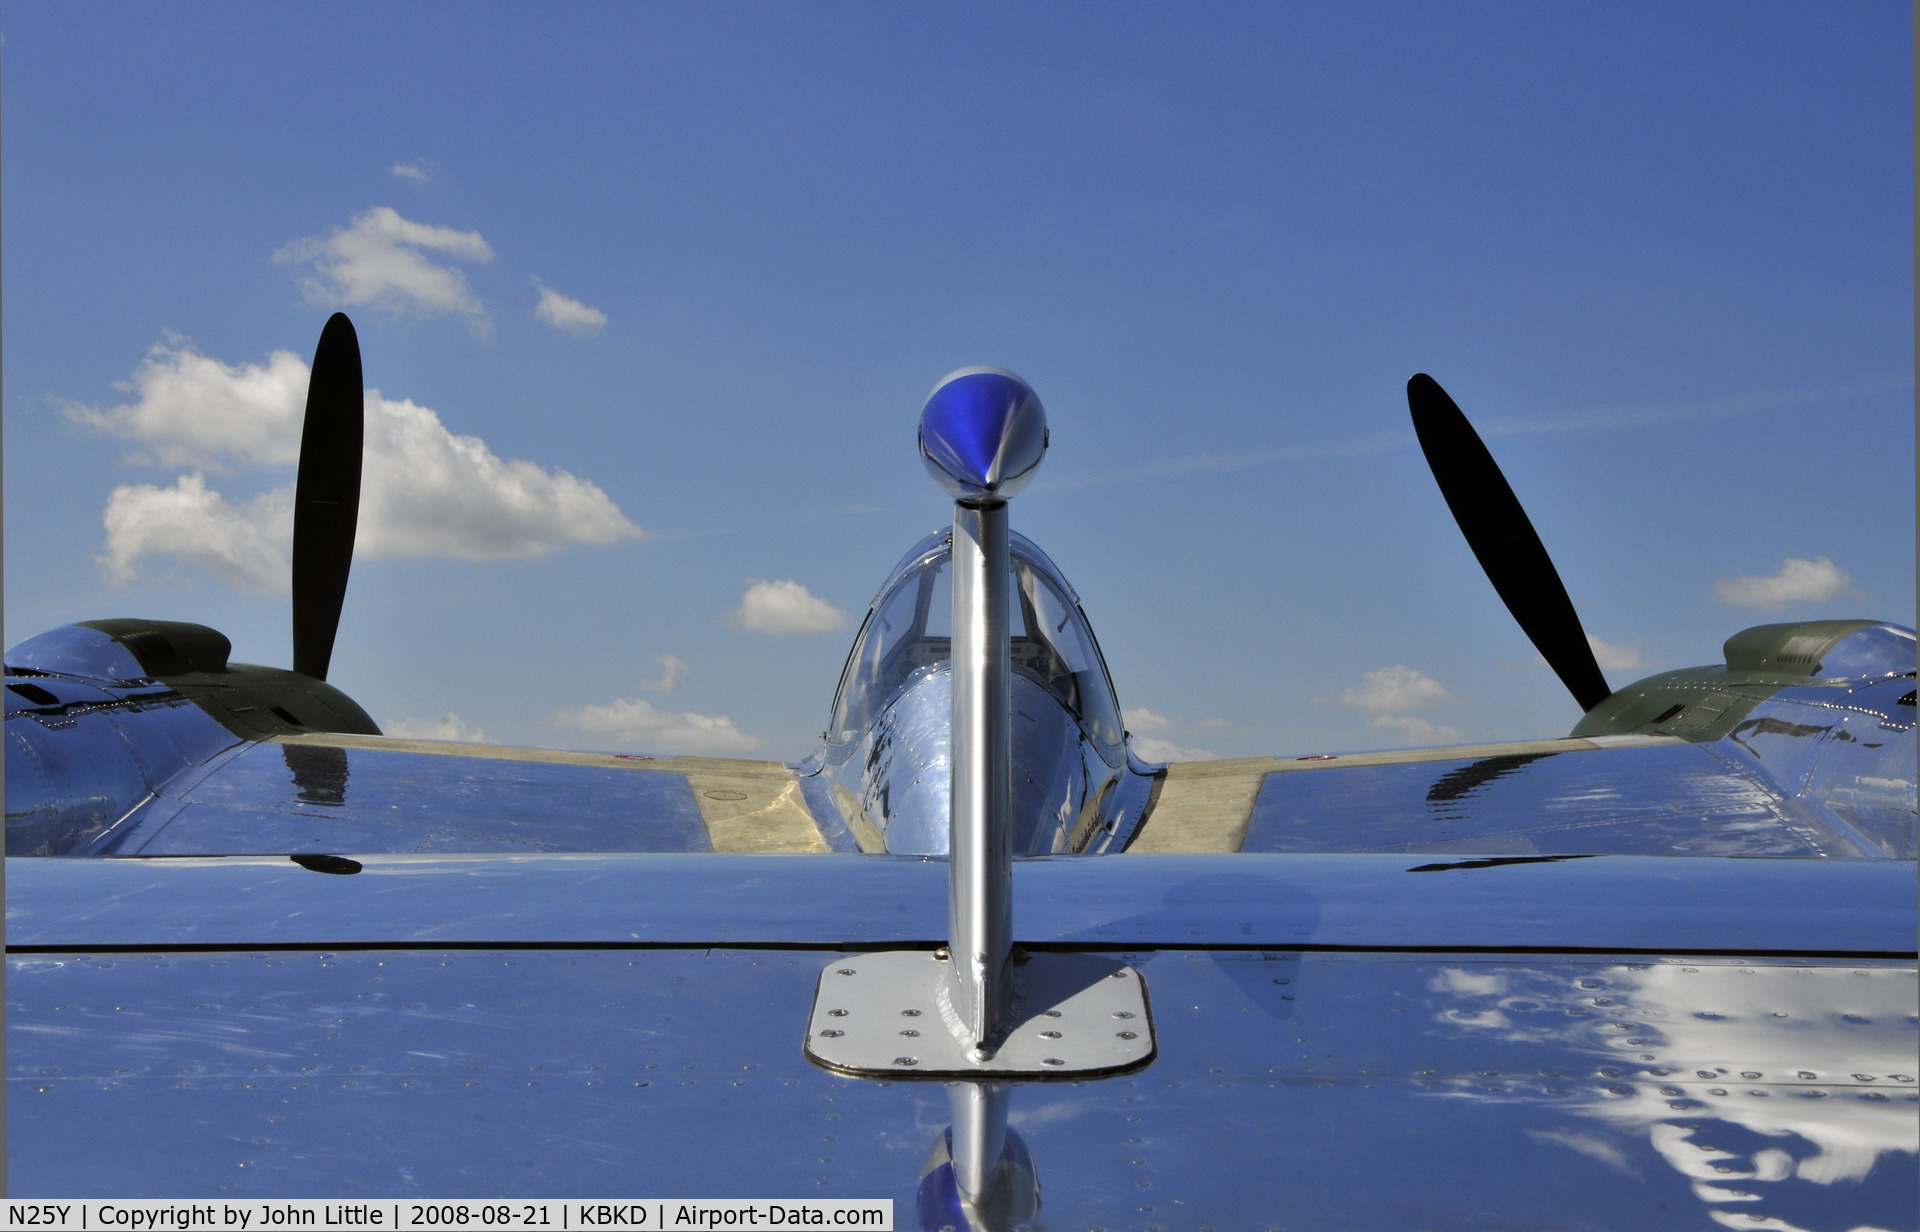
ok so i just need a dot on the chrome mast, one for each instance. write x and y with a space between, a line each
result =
982 435
980 860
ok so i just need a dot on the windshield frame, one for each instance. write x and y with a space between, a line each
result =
933 550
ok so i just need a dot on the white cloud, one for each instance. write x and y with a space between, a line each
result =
1611 656
781 608
1393 688
192 409
377 260
673 674
1796 581
428 492
411 171
1149 728
446 727
1615 656
565 312
1414 729
1388 693
1152 748
1143 720
425 491
245 547
636 724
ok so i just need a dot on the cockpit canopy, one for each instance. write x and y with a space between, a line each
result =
908 633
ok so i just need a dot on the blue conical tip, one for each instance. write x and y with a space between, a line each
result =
982 433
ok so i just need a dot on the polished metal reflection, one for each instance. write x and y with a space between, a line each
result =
906 630
1641 799
884 771
285 798
84 754
1704 1053
1348 1090
75 650
1845 751
1066 797
1870 653
1820 770
1343 902
979 1132
979 1176
980 877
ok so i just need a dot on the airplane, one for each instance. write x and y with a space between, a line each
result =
1658 971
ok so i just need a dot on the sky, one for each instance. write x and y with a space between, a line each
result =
649 298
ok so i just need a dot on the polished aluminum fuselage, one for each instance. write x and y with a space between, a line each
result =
891 779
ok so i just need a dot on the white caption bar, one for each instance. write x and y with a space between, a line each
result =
570 1215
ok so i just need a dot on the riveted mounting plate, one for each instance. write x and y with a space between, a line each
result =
887 1015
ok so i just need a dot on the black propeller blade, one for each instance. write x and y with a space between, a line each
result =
326 499
1499 533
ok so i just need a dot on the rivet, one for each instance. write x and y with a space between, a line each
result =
1119 975
846 971
1053 1061
1053 1013
909 1013
1123 1013
833 1033
911 1034
1125 1034
837 1013
906 1060
1049 1035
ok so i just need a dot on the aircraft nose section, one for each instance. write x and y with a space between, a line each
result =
907 786
982 433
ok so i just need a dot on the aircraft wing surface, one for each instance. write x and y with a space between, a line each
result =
1341 1040
340 792
1627 795
1621 795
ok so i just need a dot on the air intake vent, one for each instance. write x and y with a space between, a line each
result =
148 646
168 647
1805 649
40 697
1787 650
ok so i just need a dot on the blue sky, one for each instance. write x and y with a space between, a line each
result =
1662 255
